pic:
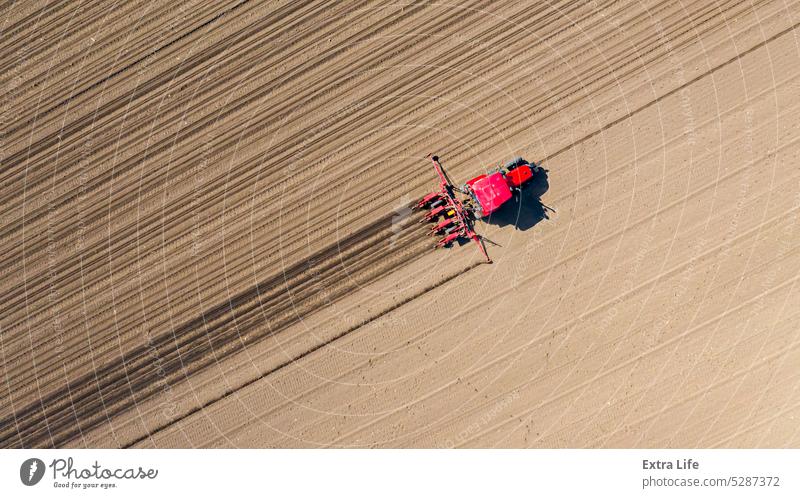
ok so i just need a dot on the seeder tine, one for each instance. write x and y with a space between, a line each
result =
448 239
441 226
433 213
428 199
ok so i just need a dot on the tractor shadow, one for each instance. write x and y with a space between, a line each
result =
525 210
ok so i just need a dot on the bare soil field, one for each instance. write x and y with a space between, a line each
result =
206 238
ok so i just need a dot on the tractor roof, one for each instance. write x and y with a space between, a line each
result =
491 192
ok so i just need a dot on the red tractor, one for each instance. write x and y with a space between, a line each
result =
454 218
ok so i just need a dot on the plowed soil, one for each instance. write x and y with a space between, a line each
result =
206 238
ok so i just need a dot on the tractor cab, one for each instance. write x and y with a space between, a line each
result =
490 192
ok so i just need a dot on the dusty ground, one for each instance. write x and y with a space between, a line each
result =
204 238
